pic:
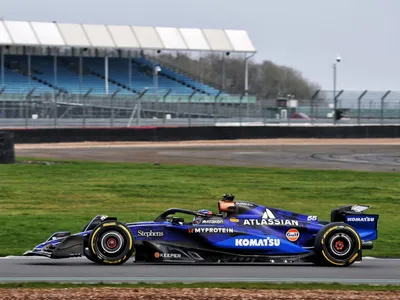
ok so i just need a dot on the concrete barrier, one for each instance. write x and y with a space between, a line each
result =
7 151
56 135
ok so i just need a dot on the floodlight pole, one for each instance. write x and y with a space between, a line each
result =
334 89
55 70
55 85
223 72
2 78
80 72
130 70
246 73
80 88
156 70
334 93
29 69
106 74
2 67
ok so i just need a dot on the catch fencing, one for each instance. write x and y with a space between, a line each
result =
30 110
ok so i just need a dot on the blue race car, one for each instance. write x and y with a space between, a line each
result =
241 231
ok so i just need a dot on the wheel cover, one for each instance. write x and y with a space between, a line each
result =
341 246
111 244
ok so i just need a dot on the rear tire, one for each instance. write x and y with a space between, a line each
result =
337 244
110 243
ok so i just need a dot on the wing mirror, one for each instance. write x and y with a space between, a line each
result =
58 235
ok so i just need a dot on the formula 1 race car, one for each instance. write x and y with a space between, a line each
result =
240 232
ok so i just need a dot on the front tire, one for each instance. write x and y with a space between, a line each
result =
88 254
110 243
337 244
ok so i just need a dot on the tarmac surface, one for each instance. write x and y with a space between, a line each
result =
366 155
369 271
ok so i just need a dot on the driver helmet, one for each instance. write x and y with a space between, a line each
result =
198 219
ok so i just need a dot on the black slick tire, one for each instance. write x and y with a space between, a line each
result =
337 244
110 243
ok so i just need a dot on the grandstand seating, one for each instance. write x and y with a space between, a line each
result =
42 76
180 78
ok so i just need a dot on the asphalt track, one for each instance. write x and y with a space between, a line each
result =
369 271
339 154
373 155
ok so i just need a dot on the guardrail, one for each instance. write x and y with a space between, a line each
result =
152 134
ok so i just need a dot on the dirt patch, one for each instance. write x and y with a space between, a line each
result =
189 294
247 142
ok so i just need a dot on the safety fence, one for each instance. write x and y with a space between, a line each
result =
82 110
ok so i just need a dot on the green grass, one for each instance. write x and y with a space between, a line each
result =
230 285
37 200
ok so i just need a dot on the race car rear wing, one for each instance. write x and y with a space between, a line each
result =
339 214
365 224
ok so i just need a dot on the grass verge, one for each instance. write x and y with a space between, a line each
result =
232 285
37 200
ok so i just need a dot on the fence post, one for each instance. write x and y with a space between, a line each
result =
55 110
165 97
136 108
240 109
112 106
359 106
215 107
312 105
190 107
382 101
335 102
265 108
84 105
139 107
28 96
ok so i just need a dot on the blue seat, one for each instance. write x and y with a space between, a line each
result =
67 76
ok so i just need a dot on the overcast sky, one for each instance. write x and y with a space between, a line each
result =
305 34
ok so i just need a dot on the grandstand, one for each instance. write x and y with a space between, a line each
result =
57 71
77 58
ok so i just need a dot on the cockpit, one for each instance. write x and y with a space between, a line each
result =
227 207
189 217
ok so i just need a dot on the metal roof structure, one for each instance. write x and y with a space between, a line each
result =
53 34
